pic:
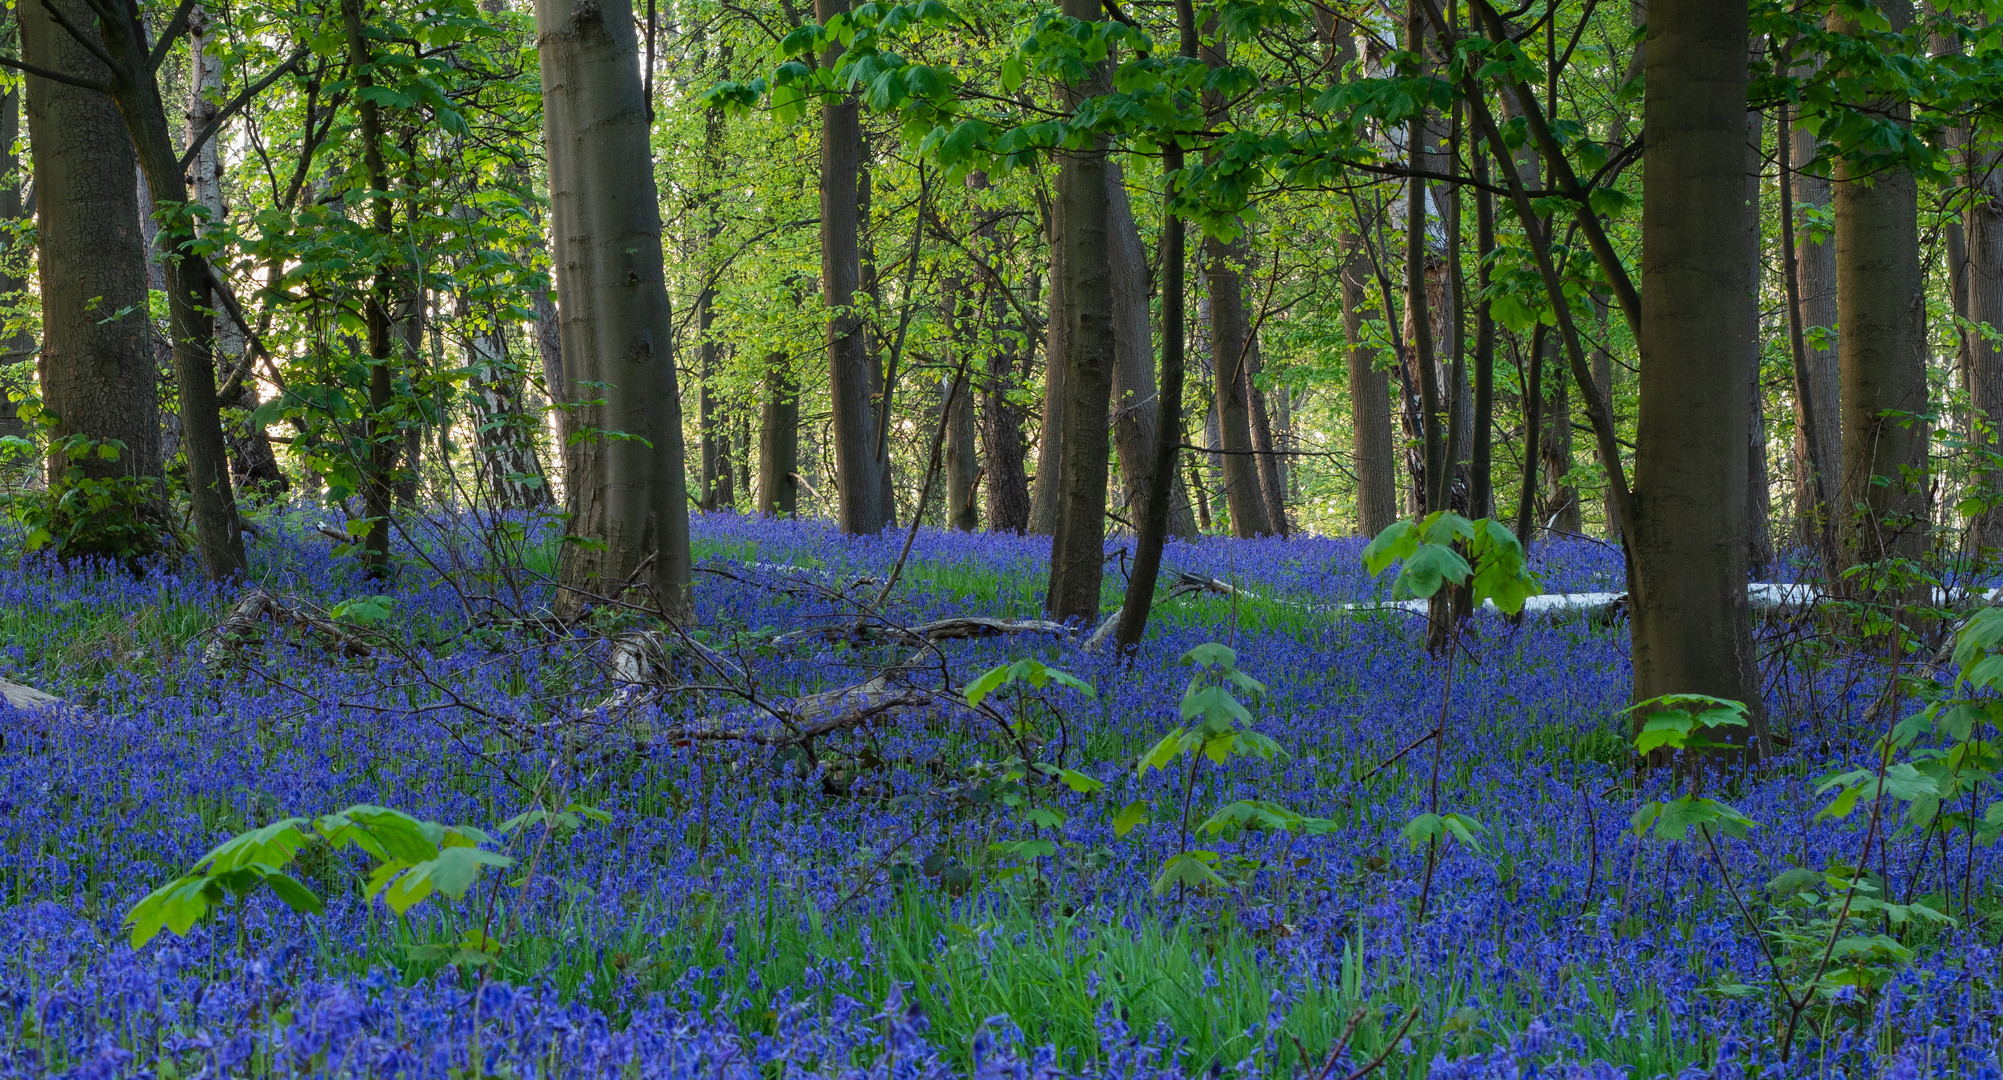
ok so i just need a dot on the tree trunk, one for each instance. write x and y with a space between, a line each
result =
779 439
1230 358
604 215
962 473
1272 489
715 490
252 461
1559 509
379 465
1759 494
1881 309
1136 408
1982 289
1056 379
503 436
1006 483
1078 544
20 347
851 375
134 88
1690 632
1815 275
96 369
1373 447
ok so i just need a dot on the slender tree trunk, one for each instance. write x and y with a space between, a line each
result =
1373 448
851 375
1136 408
379 466
1759 494
1272 489
252 461
630 496
1231 348
504 442
1559 500
19 347
962 471
1006 484
1078 545
1982 291
1481 448
1881 308
548 330
96 367
1815 307
133 87
715 490
779 439
1153 529
1690 631
1056 386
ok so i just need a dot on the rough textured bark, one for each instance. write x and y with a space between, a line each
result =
1078 544
1231 355
1373 448
510 471
380 455
1690 632
605 219
1881 309
1136 407
1558 500
252 461
779 439
1056 378
852 374
130 82
97 373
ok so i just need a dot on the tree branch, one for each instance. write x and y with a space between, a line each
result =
54 76
237 103
176 26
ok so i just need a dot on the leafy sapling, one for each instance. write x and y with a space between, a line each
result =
1456 563
1014 781
1215 727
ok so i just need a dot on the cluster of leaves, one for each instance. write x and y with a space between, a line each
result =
84 512
1445 549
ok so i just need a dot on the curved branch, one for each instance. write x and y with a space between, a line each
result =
54 76
236 105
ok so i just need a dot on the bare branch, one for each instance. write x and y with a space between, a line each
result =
54 76
237 103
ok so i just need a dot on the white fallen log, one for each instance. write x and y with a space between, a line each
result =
1760 596
26 698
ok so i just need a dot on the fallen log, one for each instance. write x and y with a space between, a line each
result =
239 627
26 698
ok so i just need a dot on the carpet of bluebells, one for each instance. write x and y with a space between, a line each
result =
759 915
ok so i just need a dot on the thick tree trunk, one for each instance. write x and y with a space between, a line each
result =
605 218
779 439
1982 289
1690 632
852 377
96 369
1231 357
1136 408
252 461
1881 308
1078 545
134 88
1056 380
1006 483
1372 446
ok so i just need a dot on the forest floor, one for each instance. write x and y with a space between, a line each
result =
897 898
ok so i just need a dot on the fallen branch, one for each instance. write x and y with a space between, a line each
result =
239 627
26 698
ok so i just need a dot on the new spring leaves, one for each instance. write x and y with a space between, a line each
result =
1444 548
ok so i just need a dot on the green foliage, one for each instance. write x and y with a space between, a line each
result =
1213 729
1444 549
89 508
414 860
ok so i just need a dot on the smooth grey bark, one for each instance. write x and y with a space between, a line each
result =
1136 406
615 325
852 373
1881 308
1372 446
1078 543
1690 632
96 366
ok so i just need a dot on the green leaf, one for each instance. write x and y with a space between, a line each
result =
1132 816
1191 868
296 896
1079 782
